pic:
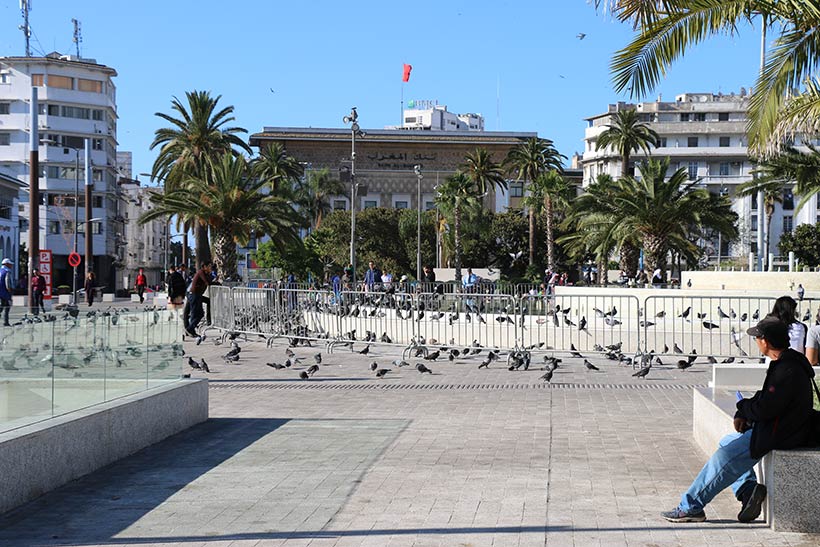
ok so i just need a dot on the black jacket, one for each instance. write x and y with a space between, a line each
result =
781 410
176 285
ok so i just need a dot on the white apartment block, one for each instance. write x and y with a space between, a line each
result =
431 116
145 244
77 105
705 134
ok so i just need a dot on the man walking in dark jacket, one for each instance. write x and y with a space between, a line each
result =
776 417
199 285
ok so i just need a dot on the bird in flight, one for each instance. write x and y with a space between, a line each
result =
580 35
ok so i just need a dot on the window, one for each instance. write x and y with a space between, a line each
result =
5 78
662 142
63 82
5 139
401 205
516 189
788 223
5 207
339 205
93 86
78 143
692 142
97 144
53 227
693 170
53 110
410 119
700 116
96 229
97 115
4 108
754 202
37 80
370 204
723 116
788 200
724 169
724 142
429 205
753 247
754 223
684 117
76 112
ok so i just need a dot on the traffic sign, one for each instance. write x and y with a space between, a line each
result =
74 260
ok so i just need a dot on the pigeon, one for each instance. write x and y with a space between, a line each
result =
313 369
289 353
745 315
702 315
485 363
381 372
433 356
645 324
711 359
611 321
318 358
642 372
193 364
276 366
574 352
548 376
582 324
756 315
422 369
366 350
685 313
806 316
580 35
709 325
304 375
684 364
590 366
386 339
676 348
661 314
728 360
374 365
722 314
204 366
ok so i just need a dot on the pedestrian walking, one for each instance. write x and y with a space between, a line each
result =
38 291
176 289
5 289
90 282
801 292
141 284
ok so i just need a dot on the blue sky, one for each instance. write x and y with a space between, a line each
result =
320 57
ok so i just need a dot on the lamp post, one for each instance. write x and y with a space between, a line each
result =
419 176
722 193
355 131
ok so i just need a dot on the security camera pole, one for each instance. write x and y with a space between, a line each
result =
354 132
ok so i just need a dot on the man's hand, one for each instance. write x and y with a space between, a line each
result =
740 425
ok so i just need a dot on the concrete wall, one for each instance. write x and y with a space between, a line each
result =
755 282
41 457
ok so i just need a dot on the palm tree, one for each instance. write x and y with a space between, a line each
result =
668 31
547 191
772 185
457 193
313 195
627 133
528 161
196 136
666 212
276 167
483 171
229 200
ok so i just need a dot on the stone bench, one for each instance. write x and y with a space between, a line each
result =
790 476
744 376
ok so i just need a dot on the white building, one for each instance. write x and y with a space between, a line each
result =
9 220
77 104
145 244
431 116
705 134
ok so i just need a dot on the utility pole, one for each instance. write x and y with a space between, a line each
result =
419 176
355 131
78 37
89 233
33 193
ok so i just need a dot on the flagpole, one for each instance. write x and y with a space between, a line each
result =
401 111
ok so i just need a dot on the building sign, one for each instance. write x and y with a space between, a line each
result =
422 104
400 161
46 271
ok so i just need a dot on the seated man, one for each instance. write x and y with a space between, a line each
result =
776 417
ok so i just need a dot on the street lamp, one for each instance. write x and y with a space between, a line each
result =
355 131
419 176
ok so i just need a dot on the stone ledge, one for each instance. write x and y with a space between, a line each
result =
41 457
791 506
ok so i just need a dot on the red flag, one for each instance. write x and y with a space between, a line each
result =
406 75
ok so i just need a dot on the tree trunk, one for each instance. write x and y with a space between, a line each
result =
630 257
769 215
655 254
550 235
531 216
185 244
625 164
224 254
457 238
203 248
603 271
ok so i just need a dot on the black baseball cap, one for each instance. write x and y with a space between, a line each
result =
772 329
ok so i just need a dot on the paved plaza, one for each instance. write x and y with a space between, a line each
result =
461 457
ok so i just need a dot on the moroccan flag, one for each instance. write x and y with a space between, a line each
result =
406 74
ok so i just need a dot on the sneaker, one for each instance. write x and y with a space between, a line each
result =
752 504
191 333
678 515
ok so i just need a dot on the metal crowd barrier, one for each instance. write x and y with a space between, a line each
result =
673 325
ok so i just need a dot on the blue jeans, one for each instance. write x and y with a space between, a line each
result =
731 464
196 312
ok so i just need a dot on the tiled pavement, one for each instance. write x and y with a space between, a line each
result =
463 457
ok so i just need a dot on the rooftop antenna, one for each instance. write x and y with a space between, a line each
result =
25 7
78 37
